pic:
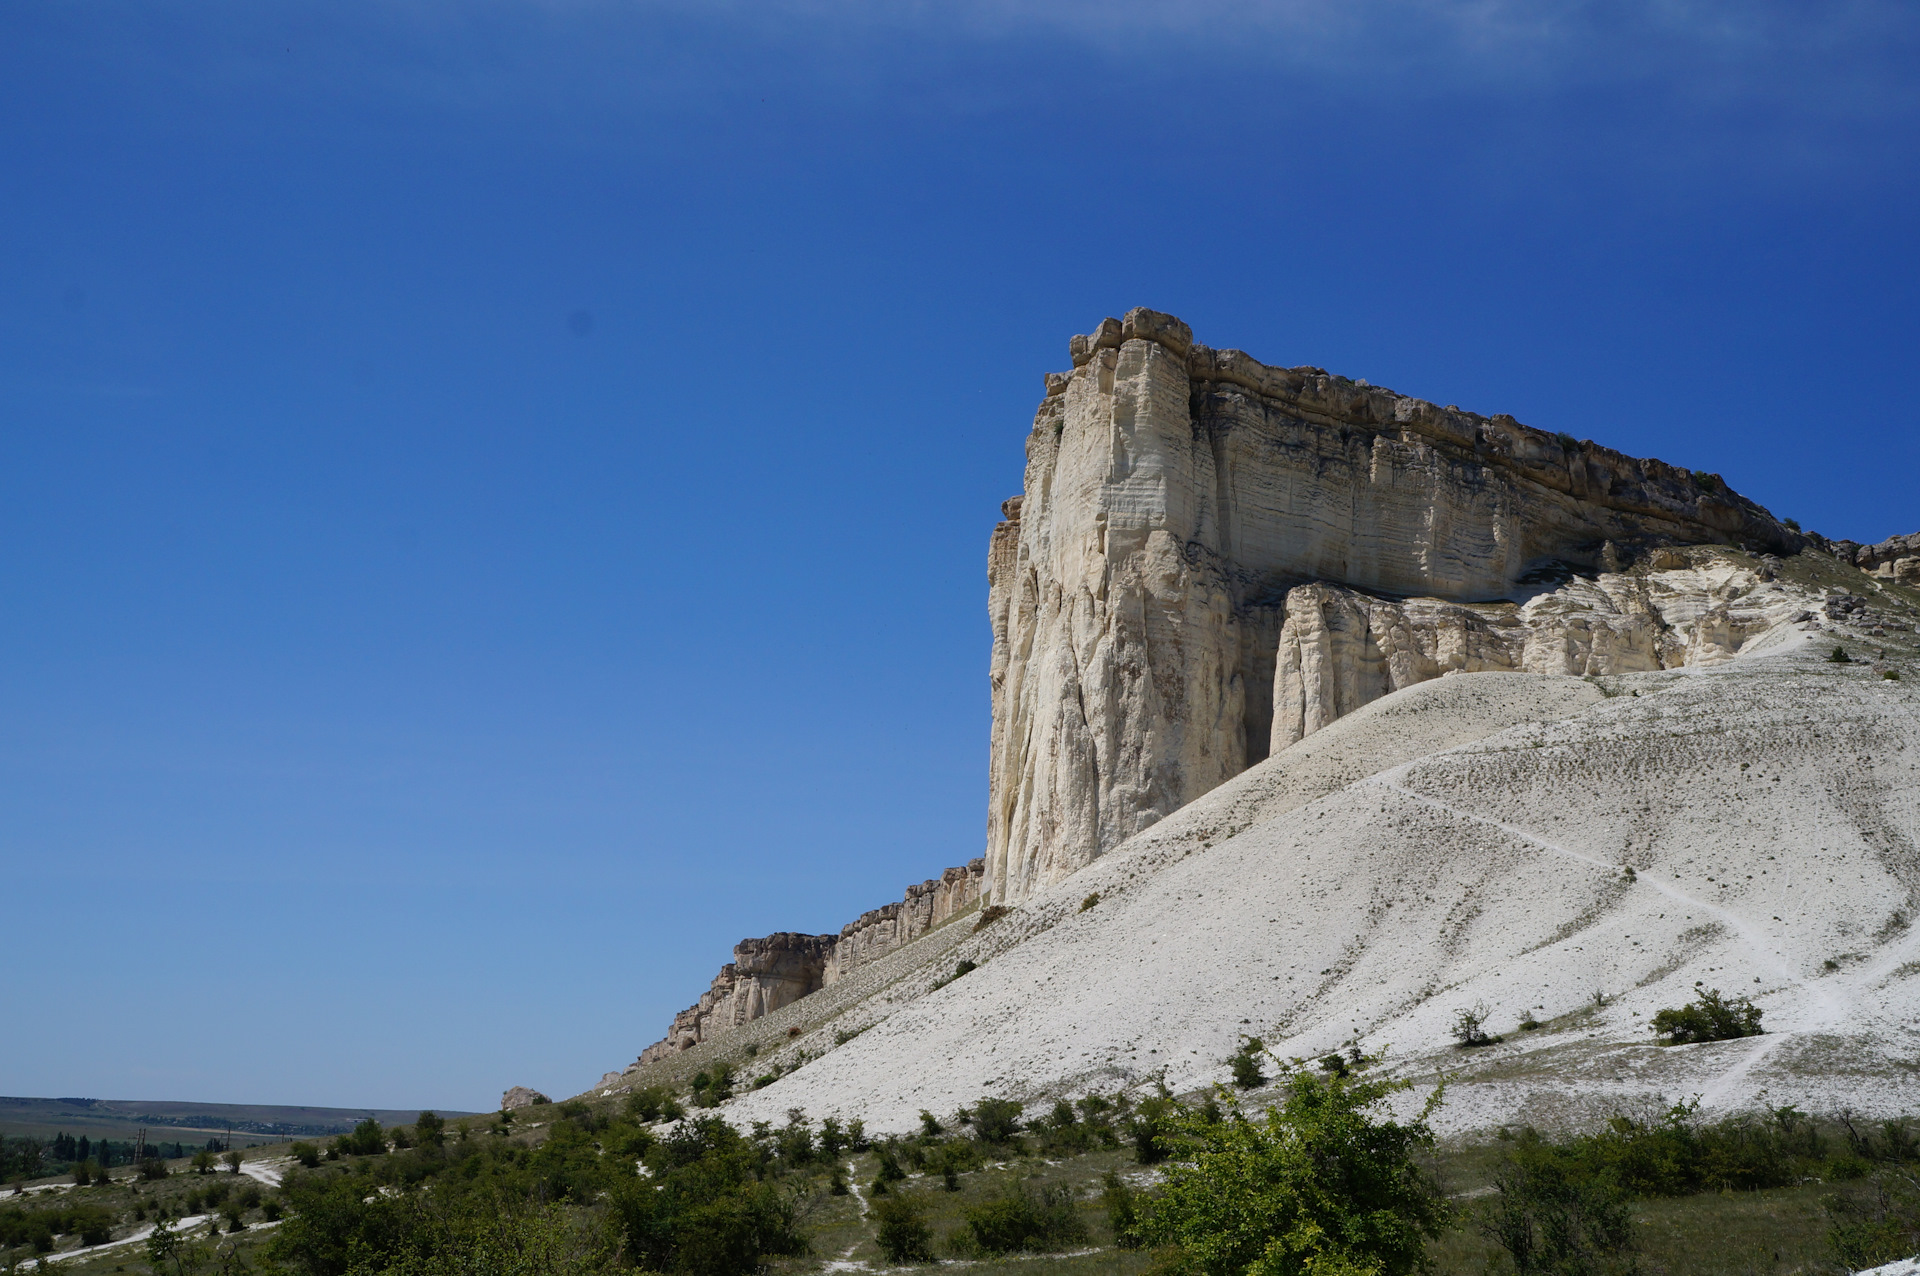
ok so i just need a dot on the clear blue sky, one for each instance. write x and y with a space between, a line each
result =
494 497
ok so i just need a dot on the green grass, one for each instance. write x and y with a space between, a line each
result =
1778 1232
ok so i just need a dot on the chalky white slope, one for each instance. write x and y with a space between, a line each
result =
1460 842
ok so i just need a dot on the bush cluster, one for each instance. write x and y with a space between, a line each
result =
1315 1184
366 1139
1021 1219
1563 1206
1709 1018
38 1227
600 1193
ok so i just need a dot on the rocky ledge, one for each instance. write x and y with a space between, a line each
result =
766 974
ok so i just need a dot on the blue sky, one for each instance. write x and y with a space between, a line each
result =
494 497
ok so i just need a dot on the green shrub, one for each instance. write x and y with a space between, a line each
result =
1022 1219
306 1154
1089 901
1153 1127
997 1120
1557 1223
900 1229
711 1089
1063 1133
1677 1155
366 1139
153 1169
654 1103
1710 1018
963 968
1246 1064
833 1139
1317 1185
1838 656
1470 1027
1122 1205
889 1162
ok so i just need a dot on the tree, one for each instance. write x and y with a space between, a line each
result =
1024 1219
1470 1027
901 1231
233 1160
430 1129
203 1162
1246 1064
997 1120
367 1139
1553 1222
1316 1186
1711 1018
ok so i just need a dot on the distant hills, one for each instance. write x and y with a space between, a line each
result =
123 1118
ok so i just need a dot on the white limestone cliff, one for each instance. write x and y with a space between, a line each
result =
1176 494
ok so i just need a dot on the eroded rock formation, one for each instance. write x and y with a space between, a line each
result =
766 974
1341 649
1174 497
1896 558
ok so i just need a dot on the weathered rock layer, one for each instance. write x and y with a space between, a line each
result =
766 974
1341 649
1177 497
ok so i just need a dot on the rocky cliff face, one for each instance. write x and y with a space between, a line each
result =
766 974
1895 559
1176 499
1341 649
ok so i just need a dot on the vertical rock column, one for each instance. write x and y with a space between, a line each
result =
1117 692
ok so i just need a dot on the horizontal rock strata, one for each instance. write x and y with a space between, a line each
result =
766 974
1175 494
1341 649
